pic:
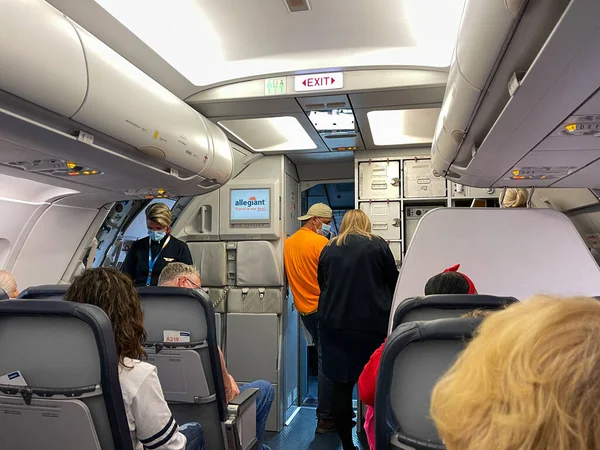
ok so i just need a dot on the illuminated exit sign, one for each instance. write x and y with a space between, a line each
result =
319 82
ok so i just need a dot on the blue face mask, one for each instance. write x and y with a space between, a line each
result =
157 236
325 229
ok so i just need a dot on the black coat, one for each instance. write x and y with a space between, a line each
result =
357 282
136 261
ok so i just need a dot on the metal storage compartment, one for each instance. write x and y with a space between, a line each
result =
386 218
419 181
379 180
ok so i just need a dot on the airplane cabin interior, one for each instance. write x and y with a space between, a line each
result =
240 116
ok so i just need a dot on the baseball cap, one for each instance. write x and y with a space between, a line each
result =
317 210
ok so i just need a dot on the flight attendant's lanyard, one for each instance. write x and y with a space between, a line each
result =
151 261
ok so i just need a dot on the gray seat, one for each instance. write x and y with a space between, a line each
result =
3 294
66 355
45 291
190 370
415 356
442 306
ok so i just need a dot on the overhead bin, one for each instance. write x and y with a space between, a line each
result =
484 31
497 43
54 63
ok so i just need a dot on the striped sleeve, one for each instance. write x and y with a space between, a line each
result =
155 427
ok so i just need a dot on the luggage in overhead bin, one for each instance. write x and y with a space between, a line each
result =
420 182
379 180
386 219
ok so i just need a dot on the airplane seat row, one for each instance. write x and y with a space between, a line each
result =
427 337
64 391
181 343
245 280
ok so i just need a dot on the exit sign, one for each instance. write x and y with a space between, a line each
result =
319 82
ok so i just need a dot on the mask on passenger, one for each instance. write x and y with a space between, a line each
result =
325 229
157 236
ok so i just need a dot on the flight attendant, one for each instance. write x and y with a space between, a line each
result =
148 256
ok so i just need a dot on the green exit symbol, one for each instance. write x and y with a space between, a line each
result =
275 86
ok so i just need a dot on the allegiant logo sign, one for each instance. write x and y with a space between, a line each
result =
250 202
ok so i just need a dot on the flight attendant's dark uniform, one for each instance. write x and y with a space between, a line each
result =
139 258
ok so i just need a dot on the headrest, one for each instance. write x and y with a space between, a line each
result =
47 291
450 301
400 339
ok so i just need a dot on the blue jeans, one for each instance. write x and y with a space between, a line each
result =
266 394
194 434
324 384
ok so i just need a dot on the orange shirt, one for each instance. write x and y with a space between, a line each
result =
301 257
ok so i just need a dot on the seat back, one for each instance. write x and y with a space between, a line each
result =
66 355
442 306
3 294
45 291
189 370
415 356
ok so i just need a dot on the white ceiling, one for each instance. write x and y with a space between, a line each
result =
208 42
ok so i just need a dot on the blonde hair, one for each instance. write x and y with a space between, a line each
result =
515 198
159 213
529 380
355 221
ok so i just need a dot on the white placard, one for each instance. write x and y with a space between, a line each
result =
13 379
176 336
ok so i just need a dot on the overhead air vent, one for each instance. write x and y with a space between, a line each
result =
297 5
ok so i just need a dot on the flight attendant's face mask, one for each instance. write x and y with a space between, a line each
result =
156 231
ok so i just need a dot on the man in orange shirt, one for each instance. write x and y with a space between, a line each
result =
301 256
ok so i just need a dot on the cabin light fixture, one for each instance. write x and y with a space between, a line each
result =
297 5
403 127
270 134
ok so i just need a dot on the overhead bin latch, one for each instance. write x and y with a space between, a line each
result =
515 82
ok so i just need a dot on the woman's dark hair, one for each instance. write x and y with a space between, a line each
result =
115 294
447 283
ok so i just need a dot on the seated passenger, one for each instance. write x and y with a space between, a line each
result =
450 281
515 198
185 276
151 423
9 284
530 379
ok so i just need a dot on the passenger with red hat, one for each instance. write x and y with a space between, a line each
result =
450 281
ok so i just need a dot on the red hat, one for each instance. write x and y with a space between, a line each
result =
455 268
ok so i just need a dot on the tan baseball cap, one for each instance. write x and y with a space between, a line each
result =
318 210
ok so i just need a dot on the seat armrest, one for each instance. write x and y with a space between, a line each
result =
241 423
242 401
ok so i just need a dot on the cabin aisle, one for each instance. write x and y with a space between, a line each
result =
300 435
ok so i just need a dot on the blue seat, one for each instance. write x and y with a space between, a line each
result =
67 357
45 291
441 306
190 371
415 356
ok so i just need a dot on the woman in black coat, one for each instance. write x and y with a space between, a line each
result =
357 277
